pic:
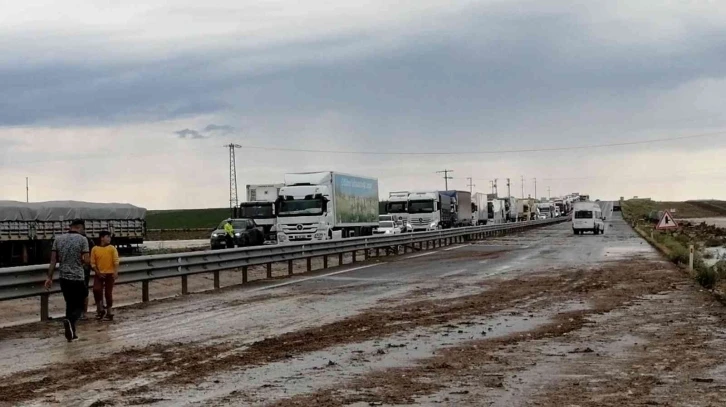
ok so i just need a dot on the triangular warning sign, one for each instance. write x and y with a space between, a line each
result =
667 222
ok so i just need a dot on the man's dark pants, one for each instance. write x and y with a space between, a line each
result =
75 293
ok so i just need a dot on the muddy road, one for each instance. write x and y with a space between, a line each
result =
543 318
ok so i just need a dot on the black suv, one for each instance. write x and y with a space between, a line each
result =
246 233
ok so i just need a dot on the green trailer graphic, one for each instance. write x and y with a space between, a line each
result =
356 200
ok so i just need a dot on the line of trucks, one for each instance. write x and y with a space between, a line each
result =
327 205
312 206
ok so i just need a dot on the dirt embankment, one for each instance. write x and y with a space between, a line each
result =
613 286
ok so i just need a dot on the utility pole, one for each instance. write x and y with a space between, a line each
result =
496 188
509 190
471 186
233 198
446 176
27 190
522 186
549 194
535 189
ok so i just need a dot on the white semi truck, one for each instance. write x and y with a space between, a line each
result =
260 206
428 211
319 206
397 207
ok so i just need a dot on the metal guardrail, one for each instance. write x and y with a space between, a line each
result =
27 281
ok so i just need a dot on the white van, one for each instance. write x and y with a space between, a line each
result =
587 217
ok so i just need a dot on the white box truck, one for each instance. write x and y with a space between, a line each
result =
319 206
496 211
480 214
260 206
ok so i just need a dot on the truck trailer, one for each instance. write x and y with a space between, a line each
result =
27 230
317 206
481 214
461 208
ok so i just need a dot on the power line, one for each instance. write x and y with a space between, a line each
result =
528 150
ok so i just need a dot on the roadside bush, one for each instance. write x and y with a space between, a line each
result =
708 255
706 276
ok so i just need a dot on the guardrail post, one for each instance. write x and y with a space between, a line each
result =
216 280
354 256
289 267
365 254
378 252
340 259
44 315
185 286
325 261
309 264
145 291
405 249
244 274
269 270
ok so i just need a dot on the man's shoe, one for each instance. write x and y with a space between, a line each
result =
109 317
100 314
68 330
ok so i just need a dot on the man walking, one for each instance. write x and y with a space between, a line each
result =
70 251
104 262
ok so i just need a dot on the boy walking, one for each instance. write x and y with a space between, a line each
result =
104 262
70 251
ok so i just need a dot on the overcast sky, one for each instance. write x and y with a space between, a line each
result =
133 101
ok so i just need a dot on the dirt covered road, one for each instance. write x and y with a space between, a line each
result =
544 318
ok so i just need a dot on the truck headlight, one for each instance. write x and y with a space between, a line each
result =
388 232
281 237
214 235
433 225
409 226
320 236
237 235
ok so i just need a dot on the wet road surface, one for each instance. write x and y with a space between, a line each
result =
507 320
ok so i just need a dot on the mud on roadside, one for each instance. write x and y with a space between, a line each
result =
181 364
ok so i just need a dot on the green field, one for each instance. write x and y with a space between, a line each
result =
186 218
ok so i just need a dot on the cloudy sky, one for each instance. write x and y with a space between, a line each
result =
133 101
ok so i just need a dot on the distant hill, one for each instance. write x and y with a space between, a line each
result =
186 218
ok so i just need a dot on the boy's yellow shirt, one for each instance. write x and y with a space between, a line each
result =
104 259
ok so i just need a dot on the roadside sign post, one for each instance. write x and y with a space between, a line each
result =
690 257
666 222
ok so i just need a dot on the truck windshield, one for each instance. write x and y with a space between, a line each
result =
421 206
258 211
386 224
396 207
583 215
301 207
545 209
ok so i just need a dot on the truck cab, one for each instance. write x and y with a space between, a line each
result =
302 214
428 211
397 207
